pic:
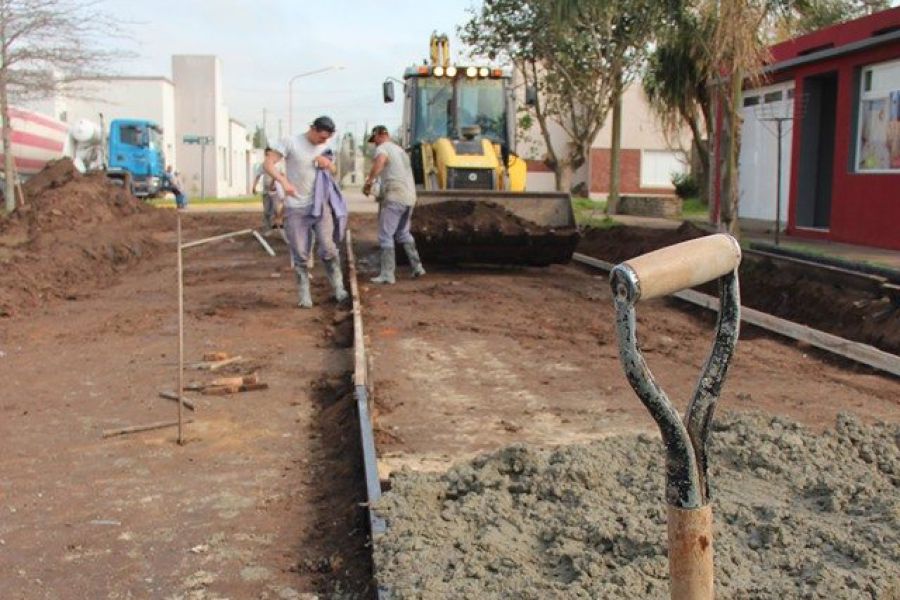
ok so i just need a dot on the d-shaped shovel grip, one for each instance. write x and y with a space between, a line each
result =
681 266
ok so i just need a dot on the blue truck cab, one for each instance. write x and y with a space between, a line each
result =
136 156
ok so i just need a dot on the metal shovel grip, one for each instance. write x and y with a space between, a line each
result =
680 266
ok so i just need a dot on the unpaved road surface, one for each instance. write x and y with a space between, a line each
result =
262 501
471 360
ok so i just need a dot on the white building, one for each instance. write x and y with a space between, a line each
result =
648 156
200 111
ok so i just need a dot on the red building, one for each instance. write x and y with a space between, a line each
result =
842 144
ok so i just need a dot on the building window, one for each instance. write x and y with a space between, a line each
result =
878 130
659 166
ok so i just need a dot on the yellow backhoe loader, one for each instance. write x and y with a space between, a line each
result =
459 128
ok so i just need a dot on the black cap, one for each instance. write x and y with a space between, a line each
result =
377 130
324 123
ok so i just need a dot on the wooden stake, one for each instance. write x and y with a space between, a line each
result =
180 386
173 396
137 428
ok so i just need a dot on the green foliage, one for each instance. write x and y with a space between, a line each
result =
694 209
575 59
803 16
686 185
590 213
259 138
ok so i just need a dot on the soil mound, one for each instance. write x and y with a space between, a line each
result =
74 233
792 292
798 514
485 232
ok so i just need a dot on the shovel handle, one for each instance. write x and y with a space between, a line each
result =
690 553
680 266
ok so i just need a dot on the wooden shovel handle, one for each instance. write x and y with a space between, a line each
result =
685 265
691 553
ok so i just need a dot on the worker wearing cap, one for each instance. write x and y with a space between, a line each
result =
302 155
270 197
397 197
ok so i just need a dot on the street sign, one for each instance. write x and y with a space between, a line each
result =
203 140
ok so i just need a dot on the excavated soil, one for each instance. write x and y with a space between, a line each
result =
76 233
798 514
485 232
790 291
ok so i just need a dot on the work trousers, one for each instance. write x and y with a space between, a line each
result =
301 229
393 224
270 207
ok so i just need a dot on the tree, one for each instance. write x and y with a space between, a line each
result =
573 60
46 46
676 82
259 138
713 47
634 27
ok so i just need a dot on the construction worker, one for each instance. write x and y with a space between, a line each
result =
397 197
270 199
303 155
172 182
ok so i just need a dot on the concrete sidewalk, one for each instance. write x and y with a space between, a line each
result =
848 252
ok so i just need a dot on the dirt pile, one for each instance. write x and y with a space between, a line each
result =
74 233
798 514
792 292
473 231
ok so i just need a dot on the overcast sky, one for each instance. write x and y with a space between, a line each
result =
263 44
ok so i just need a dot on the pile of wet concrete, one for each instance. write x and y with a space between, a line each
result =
798 514
479 231
73 234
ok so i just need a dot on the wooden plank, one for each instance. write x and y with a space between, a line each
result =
224 390
138 428
216 238
359 347
216 365
861 353
173 396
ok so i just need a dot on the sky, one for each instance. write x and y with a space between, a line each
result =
263 44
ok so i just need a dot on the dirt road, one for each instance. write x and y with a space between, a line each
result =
262 502
468 361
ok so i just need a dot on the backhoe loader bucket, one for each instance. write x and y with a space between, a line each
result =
478 226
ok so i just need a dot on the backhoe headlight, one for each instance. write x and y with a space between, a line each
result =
471 72
451 71
484 71
438 71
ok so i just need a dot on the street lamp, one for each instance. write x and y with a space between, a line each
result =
291 92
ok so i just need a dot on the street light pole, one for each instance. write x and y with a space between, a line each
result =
291 92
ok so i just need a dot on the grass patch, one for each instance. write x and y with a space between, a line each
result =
693 208
235 200
591 213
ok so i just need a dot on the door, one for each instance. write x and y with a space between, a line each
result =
816 170
768 119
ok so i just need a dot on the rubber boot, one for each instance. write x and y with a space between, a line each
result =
336 277
414 261
305 298
387 267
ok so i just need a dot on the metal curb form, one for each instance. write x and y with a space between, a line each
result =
377 525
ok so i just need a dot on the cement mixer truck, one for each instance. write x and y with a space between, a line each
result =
130 151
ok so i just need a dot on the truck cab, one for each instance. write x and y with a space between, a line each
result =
135 154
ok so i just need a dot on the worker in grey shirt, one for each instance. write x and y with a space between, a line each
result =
302 155
397 197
